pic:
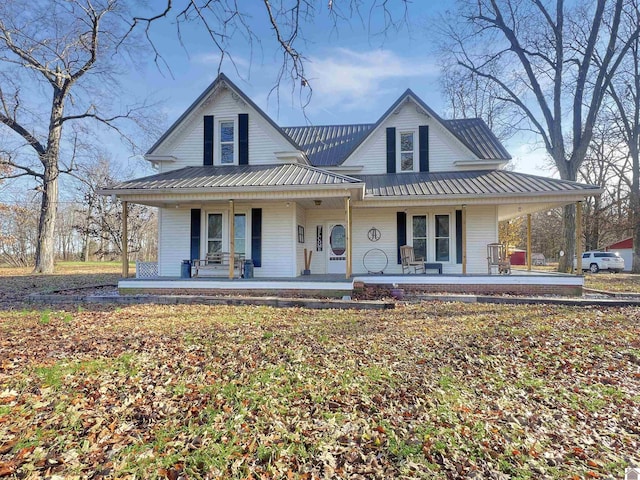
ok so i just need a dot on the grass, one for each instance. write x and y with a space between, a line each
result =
435 390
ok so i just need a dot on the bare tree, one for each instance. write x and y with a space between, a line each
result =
55 49
606 165
624 91
542 56
226 20
58 48
98 218
468 95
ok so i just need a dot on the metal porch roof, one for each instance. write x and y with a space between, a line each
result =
284 175
468 183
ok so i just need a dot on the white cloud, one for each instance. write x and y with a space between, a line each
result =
350 79
213 59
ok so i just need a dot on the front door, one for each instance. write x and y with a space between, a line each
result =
337 248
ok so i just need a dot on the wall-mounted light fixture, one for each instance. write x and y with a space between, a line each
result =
317 202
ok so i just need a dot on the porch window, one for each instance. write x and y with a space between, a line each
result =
214 233
227 142
442 238
240 233
420 235
406 152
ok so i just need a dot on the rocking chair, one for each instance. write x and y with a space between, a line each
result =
497 259
409 261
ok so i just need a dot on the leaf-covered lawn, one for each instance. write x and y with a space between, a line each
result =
613 282
436 390
17 283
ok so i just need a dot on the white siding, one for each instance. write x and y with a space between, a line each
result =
444 149
283 256
186 143
384 219
482 229
278 247
300 220
174 240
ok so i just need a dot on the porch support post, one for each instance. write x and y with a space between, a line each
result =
347 209
464 239
125 241
528 242
578 238
232 239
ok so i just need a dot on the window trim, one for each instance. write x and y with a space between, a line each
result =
426 237
219 142
225 241
415 151
431 233
450 237
204 245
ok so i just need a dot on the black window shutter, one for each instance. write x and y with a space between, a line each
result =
423 140
391 150
195 233
256 236
402 232
458 236
243 139
208 140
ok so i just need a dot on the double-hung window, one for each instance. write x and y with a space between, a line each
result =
407 151
227 152
214 233
442 238
420 236
240 233
217 233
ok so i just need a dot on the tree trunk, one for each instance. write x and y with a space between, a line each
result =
634 200
48 212
568 237
45 249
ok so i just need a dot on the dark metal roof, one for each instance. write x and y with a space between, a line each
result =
478 134
468 183
246 176
328 145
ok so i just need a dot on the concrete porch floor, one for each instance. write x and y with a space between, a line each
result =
522 281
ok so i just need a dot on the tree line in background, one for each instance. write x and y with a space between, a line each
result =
566 73
88 225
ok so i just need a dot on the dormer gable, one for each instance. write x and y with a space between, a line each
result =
224 127
430 142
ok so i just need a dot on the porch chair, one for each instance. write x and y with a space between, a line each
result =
409 261
497 259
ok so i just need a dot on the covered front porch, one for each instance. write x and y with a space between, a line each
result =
291 220
520 282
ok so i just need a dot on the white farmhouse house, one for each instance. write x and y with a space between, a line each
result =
231 180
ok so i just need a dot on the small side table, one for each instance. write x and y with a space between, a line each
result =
433 266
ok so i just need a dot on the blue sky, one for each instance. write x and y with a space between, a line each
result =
356 73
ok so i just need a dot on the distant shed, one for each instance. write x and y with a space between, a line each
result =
624 248
518 257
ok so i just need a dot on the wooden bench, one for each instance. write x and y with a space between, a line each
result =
217 265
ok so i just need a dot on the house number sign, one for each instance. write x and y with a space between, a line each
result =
374 234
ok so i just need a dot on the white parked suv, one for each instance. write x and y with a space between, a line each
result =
596 261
